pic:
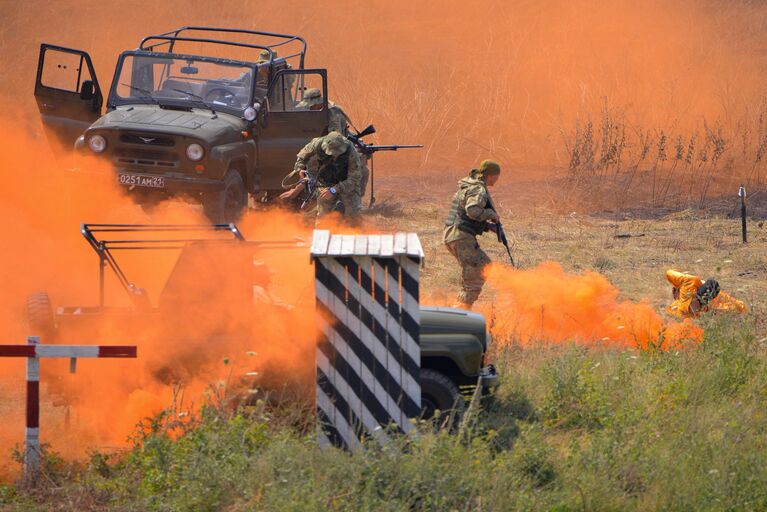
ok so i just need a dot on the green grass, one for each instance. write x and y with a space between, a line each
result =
571 428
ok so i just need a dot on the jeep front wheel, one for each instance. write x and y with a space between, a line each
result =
438 392
226 205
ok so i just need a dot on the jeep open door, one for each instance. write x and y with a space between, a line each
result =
290 123
68 95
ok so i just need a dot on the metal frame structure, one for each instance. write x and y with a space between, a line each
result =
172 37
104 247
151 44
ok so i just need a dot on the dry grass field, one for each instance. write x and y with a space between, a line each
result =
624 130
584 426
704 242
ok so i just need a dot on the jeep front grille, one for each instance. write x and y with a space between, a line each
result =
133 156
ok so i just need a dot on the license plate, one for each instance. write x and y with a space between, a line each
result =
137 180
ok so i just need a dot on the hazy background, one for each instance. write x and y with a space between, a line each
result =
466 79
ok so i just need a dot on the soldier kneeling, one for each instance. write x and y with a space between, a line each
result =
337 179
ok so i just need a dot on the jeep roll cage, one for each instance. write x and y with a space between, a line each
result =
150 45
172 37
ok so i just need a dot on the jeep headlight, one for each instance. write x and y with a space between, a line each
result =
195 152
97 143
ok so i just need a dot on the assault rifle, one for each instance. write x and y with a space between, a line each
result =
309 193
497 228
309 182
310 188
369 149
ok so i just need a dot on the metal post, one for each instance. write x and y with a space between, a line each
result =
102 265
32 433
742 196
372 182
33 350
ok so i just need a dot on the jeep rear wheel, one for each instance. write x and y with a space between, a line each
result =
438 392
40 316
226 205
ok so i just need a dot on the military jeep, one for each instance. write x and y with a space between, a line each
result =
234 284
208 113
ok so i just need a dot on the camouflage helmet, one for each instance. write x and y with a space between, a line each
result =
333 144
312 96
264 55
487 167
708 291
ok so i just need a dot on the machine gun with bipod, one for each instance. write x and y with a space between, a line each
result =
369 149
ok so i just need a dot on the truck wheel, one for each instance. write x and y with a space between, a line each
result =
40 316
438 392
226 205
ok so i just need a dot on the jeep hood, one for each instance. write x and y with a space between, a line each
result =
195 123
438 320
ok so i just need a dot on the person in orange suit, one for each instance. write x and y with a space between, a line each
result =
693 296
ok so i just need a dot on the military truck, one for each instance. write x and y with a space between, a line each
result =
217 272
208 113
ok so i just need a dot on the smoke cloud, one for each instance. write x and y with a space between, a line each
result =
547 304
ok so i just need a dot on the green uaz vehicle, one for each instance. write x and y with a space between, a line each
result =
454 343
209 113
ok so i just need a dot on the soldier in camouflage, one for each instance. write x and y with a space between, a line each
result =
470 216
338 174
338 122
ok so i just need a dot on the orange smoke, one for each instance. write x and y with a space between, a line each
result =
547 304
229 313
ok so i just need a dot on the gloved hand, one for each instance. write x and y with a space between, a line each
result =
327 194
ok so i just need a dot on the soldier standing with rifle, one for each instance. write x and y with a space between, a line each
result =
471 214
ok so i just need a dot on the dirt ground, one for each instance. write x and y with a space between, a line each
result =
631 245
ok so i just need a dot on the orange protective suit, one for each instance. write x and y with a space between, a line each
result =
685 286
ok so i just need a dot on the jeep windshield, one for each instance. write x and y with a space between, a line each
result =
182 81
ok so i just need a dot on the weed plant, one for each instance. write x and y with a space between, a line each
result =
570 428
647 170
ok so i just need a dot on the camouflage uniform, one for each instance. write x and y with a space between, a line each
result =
468 217
338 122
263 79
343 173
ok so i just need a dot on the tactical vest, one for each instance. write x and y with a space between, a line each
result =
330 172
457 217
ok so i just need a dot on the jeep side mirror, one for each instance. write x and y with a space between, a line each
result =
189 70
367 131
87 90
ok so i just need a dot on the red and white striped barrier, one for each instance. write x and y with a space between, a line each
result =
33 351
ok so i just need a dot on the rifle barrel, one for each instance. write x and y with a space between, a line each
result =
371 147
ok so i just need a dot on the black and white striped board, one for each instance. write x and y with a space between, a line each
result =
368 353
